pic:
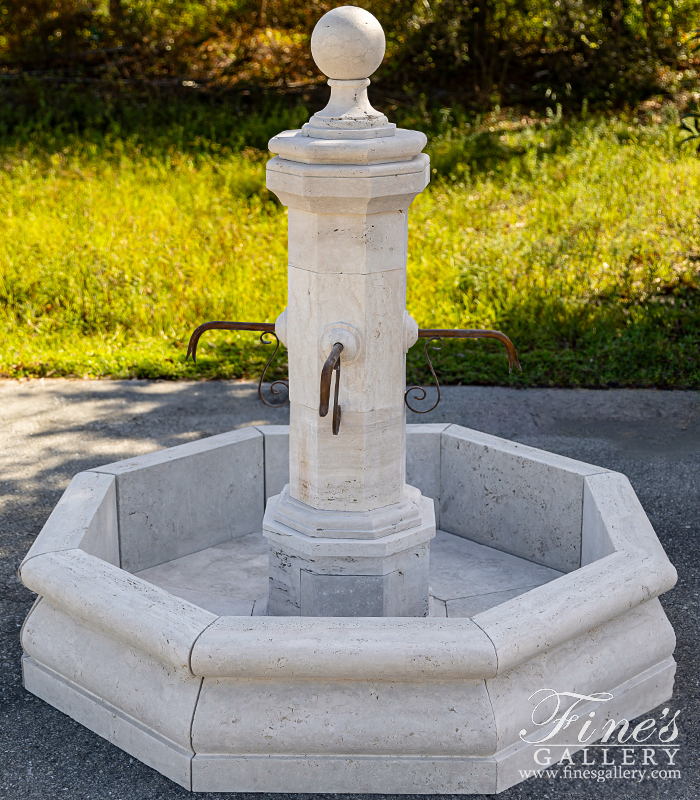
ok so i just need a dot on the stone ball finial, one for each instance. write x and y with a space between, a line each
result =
348 43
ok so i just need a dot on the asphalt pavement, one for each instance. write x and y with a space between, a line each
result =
52 429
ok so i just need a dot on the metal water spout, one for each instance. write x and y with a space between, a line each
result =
332 365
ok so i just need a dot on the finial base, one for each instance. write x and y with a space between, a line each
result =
349 115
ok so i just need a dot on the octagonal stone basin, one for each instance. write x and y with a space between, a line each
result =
149 628
465 577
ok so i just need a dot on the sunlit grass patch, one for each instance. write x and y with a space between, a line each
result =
579 240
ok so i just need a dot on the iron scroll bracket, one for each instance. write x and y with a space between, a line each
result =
266 329
438 335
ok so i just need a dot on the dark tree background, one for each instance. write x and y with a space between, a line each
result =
488 52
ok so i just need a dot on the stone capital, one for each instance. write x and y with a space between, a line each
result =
339 189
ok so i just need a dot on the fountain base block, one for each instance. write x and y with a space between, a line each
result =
312 576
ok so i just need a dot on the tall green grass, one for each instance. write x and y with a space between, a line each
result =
579 239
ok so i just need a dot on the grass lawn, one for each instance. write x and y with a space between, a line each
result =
579 239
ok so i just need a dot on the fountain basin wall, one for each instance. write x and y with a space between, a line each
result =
371 705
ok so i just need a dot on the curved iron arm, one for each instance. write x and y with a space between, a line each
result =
456 333
332 365
265 328
438 334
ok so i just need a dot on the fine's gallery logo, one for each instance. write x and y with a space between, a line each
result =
567 722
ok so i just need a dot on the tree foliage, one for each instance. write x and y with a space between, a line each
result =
493 50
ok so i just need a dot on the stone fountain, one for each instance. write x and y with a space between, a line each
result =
347 604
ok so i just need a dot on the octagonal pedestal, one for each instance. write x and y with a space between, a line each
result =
150 626
387 576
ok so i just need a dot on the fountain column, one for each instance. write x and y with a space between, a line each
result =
347 536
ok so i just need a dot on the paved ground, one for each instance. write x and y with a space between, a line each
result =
52 429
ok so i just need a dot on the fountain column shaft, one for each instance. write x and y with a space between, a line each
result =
347 536
347 269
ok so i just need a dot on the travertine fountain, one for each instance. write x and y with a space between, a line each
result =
345 604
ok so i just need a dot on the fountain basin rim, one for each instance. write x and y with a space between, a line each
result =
106 597
183 635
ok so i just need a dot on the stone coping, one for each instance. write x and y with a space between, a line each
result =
294 145
389 169
626 567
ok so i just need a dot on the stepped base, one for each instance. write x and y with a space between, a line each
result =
312 576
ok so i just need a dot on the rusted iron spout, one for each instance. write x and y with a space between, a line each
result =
332 365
